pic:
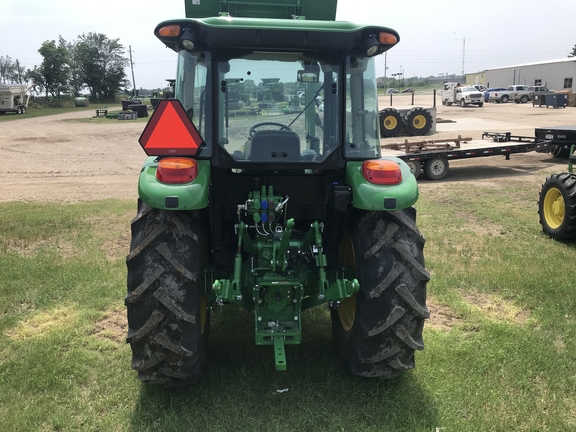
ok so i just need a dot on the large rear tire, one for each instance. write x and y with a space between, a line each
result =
379 328
168 318
391 123
557 206
418 121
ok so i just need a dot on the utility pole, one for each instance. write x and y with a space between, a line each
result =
132 68
18 70
463 53
385 63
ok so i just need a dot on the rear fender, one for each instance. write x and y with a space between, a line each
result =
186 196
369 196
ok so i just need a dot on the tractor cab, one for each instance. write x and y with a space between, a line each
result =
300 92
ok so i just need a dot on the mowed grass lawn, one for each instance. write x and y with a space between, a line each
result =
500 347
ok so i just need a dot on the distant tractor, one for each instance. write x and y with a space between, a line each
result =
557 203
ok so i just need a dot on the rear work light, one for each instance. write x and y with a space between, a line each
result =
382 172
176 170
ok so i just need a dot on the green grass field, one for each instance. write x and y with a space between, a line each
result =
500 343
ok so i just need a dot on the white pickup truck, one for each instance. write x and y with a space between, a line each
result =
463 95
499 96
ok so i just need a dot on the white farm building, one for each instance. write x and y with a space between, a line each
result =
555 74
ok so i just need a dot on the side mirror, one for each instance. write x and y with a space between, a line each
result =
307 76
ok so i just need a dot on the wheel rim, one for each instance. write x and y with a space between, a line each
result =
413 167
554 208
437 167
347 309
390 122
419 122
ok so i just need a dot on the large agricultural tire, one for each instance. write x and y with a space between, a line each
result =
418 121
557 206
391 123
168 321
126 103
141 109
379 328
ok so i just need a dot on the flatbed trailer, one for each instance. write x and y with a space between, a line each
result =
433 157
561 139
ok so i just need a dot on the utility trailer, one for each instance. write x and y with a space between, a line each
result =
13 98
432 156
561 138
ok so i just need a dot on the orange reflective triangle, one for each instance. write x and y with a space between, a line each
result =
170 132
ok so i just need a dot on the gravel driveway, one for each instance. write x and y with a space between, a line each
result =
57 158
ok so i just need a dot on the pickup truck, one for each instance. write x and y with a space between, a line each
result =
463 95
499 96
538 90
519 93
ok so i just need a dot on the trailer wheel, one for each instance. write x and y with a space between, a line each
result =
414 168
379 328
22 110
557 206
505 99
390 122
418 121
168 319
462 103
436 168
524 99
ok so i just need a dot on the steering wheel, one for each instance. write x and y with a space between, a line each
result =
252 130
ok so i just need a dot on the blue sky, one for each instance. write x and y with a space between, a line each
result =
436 36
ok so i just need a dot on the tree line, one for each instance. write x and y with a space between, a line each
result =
92 61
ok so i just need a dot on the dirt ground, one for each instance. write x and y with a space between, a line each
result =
56 158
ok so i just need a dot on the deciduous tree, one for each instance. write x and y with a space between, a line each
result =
101 62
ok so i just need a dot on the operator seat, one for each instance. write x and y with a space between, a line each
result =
275 146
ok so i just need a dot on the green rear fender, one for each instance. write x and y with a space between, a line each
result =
369 196
187 196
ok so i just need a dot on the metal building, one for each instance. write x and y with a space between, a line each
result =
555 74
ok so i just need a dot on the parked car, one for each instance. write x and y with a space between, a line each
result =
486 93
391 90
408 90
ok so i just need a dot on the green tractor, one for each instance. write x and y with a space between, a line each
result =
557 203
277 212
